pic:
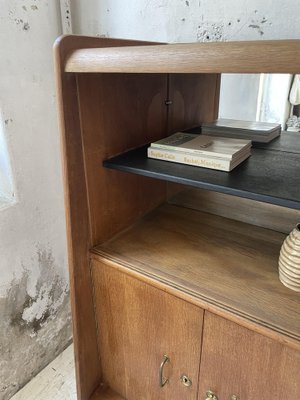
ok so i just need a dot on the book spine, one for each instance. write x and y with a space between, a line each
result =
189 159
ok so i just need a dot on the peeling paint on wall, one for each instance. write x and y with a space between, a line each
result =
210 32
66 17
35 320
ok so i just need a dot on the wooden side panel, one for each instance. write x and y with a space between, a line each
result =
88 371
119 112
195 99
237 361
105 394
138 324
76 206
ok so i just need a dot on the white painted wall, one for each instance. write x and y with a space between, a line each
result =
27 98
188 20
34 310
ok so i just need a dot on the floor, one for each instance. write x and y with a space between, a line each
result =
55 382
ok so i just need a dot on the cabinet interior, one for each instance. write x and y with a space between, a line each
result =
212 250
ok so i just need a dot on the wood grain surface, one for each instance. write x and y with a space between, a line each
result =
271 216
219 57
194 97
139 324
103 393
78 230
222 262
119 112
237 361
77 211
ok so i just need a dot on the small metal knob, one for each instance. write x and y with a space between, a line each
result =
211 396
234 397
185 380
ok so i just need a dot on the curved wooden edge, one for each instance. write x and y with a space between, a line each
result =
65 45
274 56
84 332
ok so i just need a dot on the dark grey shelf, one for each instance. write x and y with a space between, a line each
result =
271 174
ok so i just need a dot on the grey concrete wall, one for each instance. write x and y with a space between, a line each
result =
188 20
35 323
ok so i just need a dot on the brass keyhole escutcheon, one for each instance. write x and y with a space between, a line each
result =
211 395
185 380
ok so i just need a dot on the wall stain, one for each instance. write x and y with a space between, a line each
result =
26 26
210 32
18 21
35 323
257 27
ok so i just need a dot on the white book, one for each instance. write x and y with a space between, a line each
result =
256 131
226 148
242 135
256 127
197 160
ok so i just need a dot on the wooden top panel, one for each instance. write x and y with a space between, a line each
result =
216 57
223 262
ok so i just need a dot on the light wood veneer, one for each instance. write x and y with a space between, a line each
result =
219 262
243 57
114 95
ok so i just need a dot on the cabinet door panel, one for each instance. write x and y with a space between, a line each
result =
238 361
137 325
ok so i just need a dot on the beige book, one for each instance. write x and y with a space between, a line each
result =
197 160
226 148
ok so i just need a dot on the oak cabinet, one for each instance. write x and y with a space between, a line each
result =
237 361
138 327
155 271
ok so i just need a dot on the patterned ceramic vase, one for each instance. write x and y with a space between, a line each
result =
289 260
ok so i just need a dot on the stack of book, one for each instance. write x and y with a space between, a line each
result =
256 131
219 153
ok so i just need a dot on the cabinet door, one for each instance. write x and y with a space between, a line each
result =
137 325
237 361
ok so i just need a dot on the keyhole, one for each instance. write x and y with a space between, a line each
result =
186 380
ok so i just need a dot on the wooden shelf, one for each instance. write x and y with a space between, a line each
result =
229 264
269 175
260 56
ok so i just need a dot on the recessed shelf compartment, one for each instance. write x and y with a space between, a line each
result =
270 175
228 264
